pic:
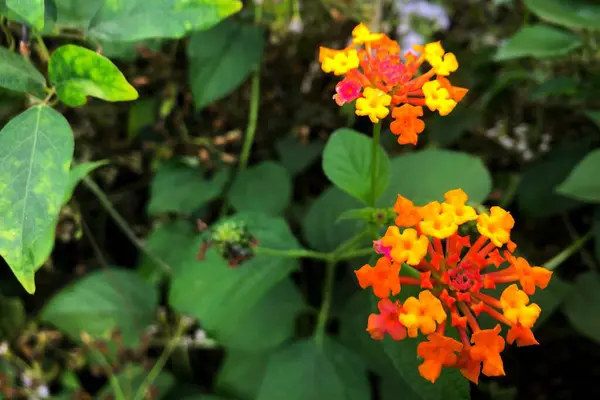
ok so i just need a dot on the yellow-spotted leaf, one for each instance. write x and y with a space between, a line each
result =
144 19
36 148
77 72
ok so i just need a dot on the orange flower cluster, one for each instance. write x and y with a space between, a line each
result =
453 275
379 78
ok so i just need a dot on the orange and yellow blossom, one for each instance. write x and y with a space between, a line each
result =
383 81
453 274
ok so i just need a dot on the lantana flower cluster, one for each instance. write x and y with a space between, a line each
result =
382 81
453 273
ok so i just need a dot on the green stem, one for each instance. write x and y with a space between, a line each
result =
254 103
558 259
42 49
120 221
112 379
326 305
160 364
294 253
375 162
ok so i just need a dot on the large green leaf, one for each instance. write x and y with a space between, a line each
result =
197 286
582 307
241 373
18 74
268 323
348 163
144 19
180 188
162 240
130 380
321 227
570 13
79 172
102 301
307 370
536 194
31 10
265 188
77 72
583 183
36 148
297 156
77 13
538 41
222 58
425 176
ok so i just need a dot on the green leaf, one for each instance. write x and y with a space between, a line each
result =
433 172
79 172
347 162
36 148
306 370
162 240
559 86
297 156
12 317
450 128
130 380
235 290
77 13
265 188
321 228
596 230
242 373
581 307
31 10
538 41
142 114
576 14
594 115
144 19
536 194
102 301
222 58
181 188
583 183
268 323
128 51
77 72
19 75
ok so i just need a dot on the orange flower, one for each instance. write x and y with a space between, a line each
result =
437 352
389 78
406 246
422 313
408 214
383 277
453 274
488 345
407 123
386 322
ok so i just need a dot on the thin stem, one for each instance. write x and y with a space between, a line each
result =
7 34
326 305
375 161
558 259
254 103
160 364
120 221
355 253
294 253
41 48
112 379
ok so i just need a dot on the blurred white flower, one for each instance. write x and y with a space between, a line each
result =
43 392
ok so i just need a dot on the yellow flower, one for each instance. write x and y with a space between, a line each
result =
442 63
456 204
406 246
516 309
496 226
437 222
422 314
340 62
361 34
438 98
374 104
